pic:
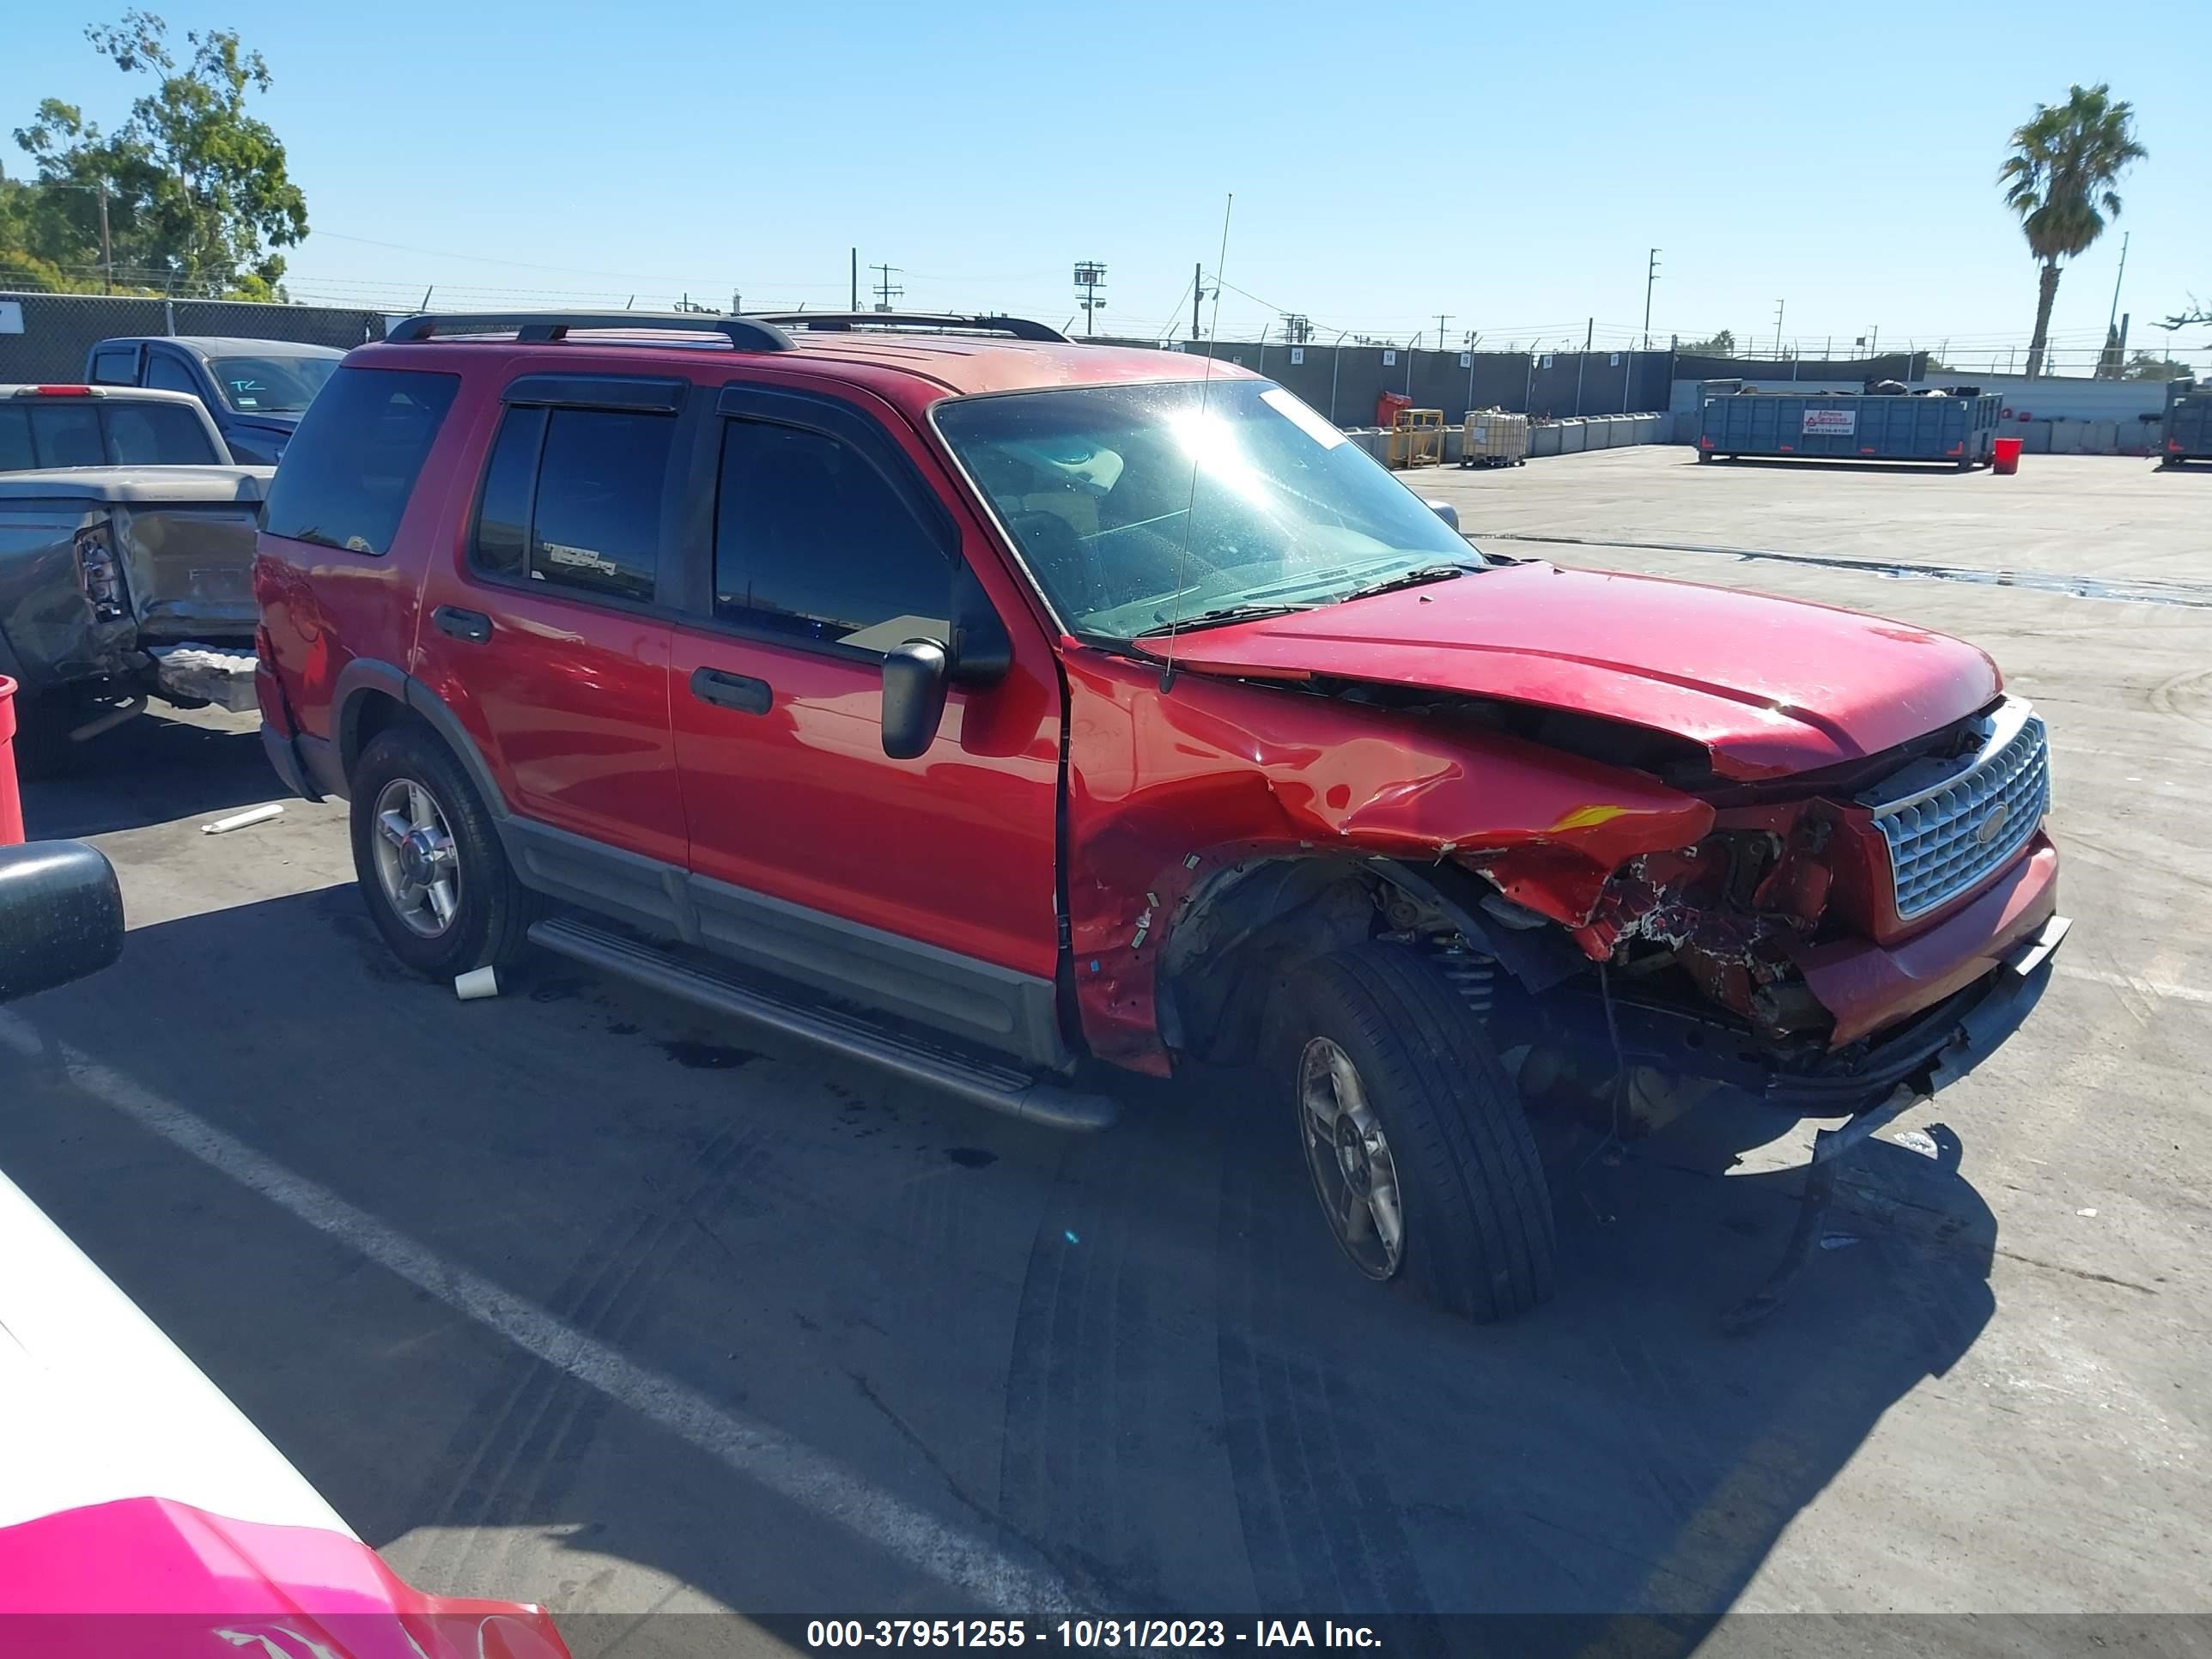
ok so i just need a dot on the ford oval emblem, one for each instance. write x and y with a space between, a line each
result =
1993 825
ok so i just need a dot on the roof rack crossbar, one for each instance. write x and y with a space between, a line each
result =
1021 328
540 327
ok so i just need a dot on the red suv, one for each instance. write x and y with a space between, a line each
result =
980 704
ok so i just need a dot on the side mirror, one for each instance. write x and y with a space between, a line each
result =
1445 511
61 915
915 676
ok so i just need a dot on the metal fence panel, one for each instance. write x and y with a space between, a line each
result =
58 330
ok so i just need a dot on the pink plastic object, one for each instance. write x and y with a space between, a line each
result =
148 1579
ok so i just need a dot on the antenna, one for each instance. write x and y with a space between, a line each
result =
1205 386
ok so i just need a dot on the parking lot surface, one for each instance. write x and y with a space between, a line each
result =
567 1297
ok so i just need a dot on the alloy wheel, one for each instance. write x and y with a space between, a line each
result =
417 865
1353 1174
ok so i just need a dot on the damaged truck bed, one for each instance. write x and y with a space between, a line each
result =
119 584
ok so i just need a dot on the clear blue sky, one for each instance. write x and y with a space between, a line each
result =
1508 165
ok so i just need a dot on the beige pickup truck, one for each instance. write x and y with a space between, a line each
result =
126 557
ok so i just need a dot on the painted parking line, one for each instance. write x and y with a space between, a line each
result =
753 1451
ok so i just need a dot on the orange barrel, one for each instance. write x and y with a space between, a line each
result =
11 803
2005 458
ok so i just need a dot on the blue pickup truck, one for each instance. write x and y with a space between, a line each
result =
255 389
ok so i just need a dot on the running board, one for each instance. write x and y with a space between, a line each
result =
1000 1088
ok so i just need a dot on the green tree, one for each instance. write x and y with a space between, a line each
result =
2149 366
2059 178
1722 344
198 198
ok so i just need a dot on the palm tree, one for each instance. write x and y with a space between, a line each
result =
2059 178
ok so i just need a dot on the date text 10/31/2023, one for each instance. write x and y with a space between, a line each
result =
822 1634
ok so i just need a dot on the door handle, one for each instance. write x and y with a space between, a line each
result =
739 691
470 625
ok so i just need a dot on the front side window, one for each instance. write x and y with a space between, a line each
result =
279 384
351 466
572 498
1139 507
810 540
157 434
165 373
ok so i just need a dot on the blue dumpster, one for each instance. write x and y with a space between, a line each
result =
2188 429
1848 426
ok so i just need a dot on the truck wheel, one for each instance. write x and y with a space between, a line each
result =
428 860
1419 1154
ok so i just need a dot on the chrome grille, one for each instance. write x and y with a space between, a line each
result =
1948 834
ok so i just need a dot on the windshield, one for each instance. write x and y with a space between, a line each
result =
276 385
1140 507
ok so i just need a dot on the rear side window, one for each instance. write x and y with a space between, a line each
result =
572 498
351 466
115 366
809 539
157 434
66 432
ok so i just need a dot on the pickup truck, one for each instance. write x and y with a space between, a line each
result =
126 547
255 390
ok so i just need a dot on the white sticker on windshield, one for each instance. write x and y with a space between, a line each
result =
1301 417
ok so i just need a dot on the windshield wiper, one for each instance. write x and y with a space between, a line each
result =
1227 613
1420 578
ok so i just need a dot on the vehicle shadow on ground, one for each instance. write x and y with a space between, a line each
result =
1135 1361
1809 464
149 770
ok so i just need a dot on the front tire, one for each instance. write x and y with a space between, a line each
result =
1420 1156
429 862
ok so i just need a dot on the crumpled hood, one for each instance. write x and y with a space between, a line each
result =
1768 686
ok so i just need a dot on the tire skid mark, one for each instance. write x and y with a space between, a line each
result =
1322 1527
543 1421
1082 1368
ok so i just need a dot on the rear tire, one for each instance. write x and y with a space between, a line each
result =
1395 1086
421 829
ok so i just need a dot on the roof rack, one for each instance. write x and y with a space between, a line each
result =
841 321
539 327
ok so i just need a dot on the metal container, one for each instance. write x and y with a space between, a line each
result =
1843 426
2188 434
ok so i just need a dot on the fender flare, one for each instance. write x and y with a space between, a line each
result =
366 677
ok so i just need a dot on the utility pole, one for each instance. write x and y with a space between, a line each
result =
885 293
1441 319
107 250
1777 330
856 279
1090 277
1650 275
1197 293
2123 271
1581 361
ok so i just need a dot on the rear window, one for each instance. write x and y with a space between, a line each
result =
65 432
16 440
157 434
354 461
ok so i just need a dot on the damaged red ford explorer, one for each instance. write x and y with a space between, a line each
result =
979 705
